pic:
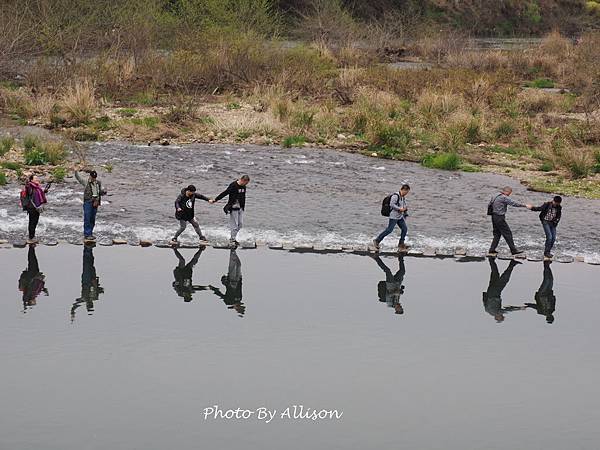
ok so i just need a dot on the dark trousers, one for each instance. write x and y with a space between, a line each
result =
501 229
34 218
550 230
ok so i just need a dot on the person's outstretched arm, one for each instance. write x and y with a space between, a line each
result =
202 197
224 193
79 178
538 208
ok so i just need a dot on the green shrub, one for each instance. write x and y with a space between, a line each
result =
59 174
389 139
302 119
444 161
11 165
469 168
6 145
35 157
293 141
102 124
233 105
547 166
504 129
148 122
597 162
541 83
127 112
146 98
3 180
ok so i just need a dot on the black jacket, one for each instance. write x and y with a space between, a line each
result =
236 193
187 205
544 209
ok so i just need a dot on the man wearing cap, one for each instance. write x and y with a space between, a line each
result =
92 197
497 209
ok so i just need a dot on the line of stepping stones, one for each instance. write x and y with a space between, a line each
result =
459 253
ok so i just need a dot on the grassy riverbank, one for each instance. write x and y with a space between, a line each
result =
533 113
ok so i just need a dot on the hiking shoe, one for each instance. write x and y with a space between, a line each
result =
174 242
233 243
403 247
376 244
89 238
518 253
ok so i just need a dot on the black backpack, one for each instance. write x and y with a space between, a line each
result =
386 209
490 209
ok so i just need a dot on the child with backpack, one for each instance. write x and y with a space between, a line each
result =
395 207
33 199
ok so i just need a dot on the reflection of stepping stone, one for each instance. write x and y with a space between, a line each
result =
505 257
276 246
19 244
565 259
535 258
302 248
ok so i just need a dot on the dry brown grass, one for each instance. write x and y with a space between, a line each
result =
79 101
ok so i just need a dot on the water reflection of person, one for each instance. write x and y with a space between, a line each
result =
183 274
492 298
90 283
233 285
390 290
545 300
32 282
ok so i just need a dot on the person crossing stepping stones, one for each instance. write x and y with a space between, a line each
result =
395 208
184 212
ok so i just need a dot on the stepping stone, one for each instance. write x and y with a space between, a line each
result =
302 248
520 256
347 248
19 244
579 259
3 241
535 258
50 243
593 262
145 243
119 241
134 242
163 244
429 252
75 242
105 243
505 257
276 246
565 259
415 253
444 253
460 251
222 246
248 245
334 249
189 245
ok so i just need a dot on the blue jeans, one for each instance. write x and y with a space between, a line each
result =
391 225
89 218
550 230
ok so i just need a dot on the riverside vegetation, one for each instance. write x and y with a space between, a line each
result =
212 71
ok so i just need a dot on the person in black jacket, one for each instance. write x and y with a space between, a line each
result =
235 206
550 214
184 212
